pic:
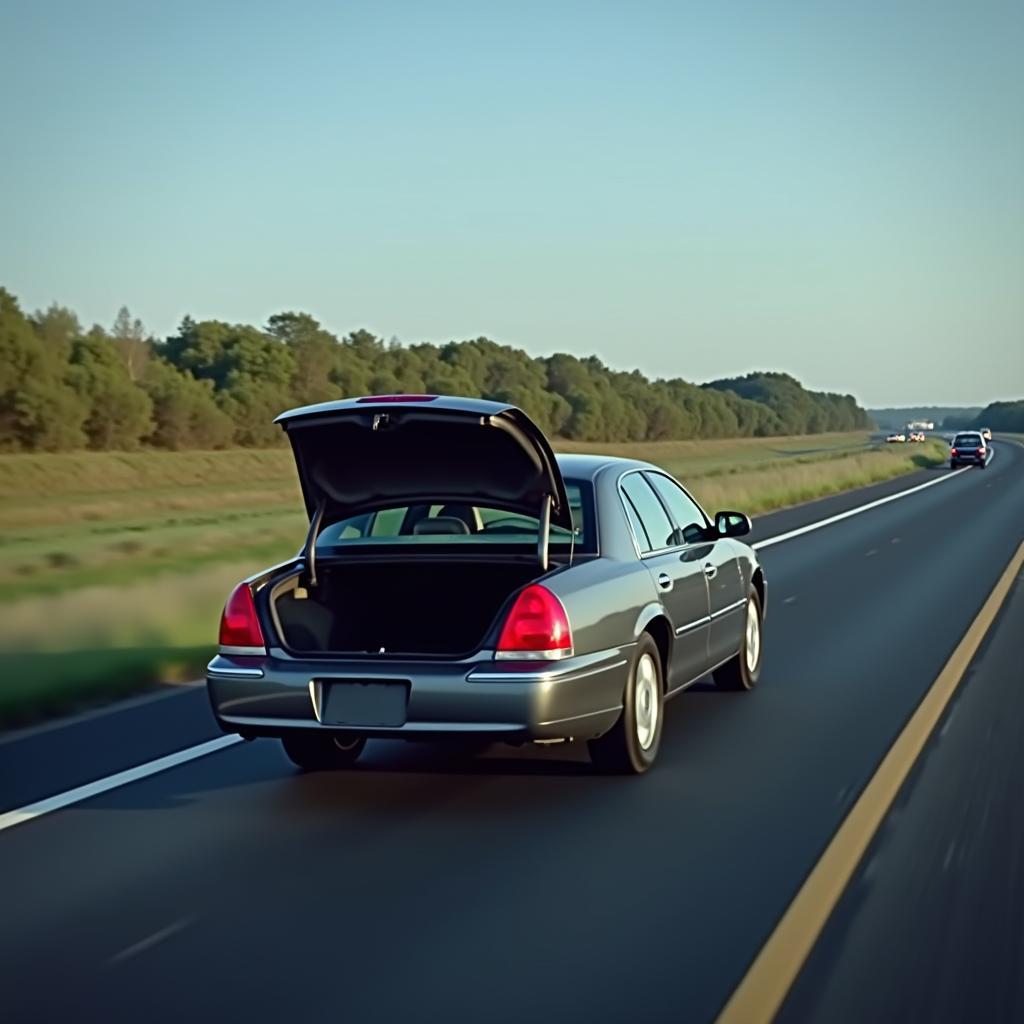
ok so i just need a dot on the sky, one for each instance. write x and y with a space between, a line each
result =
828 188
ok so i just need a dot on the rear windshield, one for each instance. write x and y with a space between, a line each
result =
463 525
967 440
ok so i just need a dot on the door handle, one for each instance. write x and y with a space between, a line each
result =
711 571
664 581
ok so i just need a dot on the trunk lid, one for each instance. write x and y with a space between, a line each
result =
359 454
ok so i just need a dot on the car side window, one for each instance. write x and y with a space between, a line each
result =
650 511
686 512
642 540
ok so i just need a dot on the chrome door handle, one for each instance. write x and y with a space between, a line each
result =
664 581
711 571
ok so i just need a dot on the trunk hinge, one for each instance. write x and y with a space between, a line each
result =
544 531
309 549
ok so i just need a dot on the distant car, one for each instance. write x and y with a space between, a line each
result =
917 435
986 433
896 438
969 449
458 579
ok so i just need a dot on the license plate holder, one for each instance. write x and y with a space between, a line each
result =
364 702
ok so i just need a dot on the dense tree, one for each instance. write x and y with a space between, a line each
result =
119 413
315 353
251 373
185 414
38 410
212 384
1008 416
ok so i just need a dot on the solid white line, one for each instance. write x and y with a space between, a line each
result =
151 940
91 789
800 531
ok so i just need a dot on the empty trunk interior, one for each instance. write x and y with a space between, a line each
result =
416 607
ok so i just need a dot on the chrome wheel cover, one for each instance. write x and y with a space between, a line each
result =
647 706
752 646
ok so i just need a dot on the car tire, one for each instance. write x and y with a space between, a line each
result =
743 671
631 745
323 751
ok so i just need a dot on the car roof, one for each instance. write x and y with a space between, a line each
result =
586 465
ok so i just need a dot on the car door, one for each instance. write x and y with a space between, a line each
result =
719 566
678 578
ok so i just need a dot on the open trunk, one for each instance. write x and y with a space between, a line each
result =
412 607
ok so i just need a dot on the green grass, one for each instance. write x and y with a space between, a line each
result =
42 684
114 567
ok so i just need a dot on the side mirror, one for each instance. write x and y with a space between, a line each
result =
732 524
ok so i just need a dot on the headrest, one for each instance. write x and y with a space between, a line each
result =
441 524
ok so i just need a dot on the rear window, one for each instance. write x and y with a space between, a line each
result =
967 440
458 523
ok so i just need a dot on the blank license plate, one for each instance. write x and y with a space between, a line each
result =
357 703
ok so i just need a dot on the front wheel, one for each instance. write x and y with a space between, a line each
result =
321 751
631 745
743 671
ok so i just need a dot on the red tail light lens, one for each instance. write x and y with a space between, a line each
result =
536 627
239 625
952 451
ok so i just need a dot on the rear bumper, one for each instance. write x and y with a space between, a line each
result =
579 697
967 460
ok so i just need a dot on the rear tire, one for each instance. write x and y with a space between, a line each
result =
323 751
743 671
631 745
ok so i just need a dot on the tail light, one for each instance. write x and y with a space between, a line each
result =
981 450
952 451
536 628
239 625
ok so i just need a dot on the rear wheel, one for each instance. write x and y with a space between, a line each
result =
322 751
631 745
743 671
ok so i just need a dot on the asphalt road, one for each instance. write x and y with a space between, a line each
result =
429 884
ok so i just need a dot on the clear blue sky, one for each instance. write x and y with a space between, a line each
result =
831 188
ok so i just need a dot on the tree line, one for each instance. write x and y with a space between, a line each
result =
1004 416
214 384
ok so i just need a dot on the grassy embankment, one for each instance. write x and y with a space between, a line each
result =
114 567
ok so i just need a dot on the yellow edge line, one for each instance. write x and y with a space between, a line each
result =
769 978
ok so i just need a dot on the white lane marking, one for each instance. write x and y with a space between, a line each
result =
151 940
801 530
91 789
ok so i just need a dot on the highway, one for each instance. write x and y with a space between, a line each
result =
433 884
